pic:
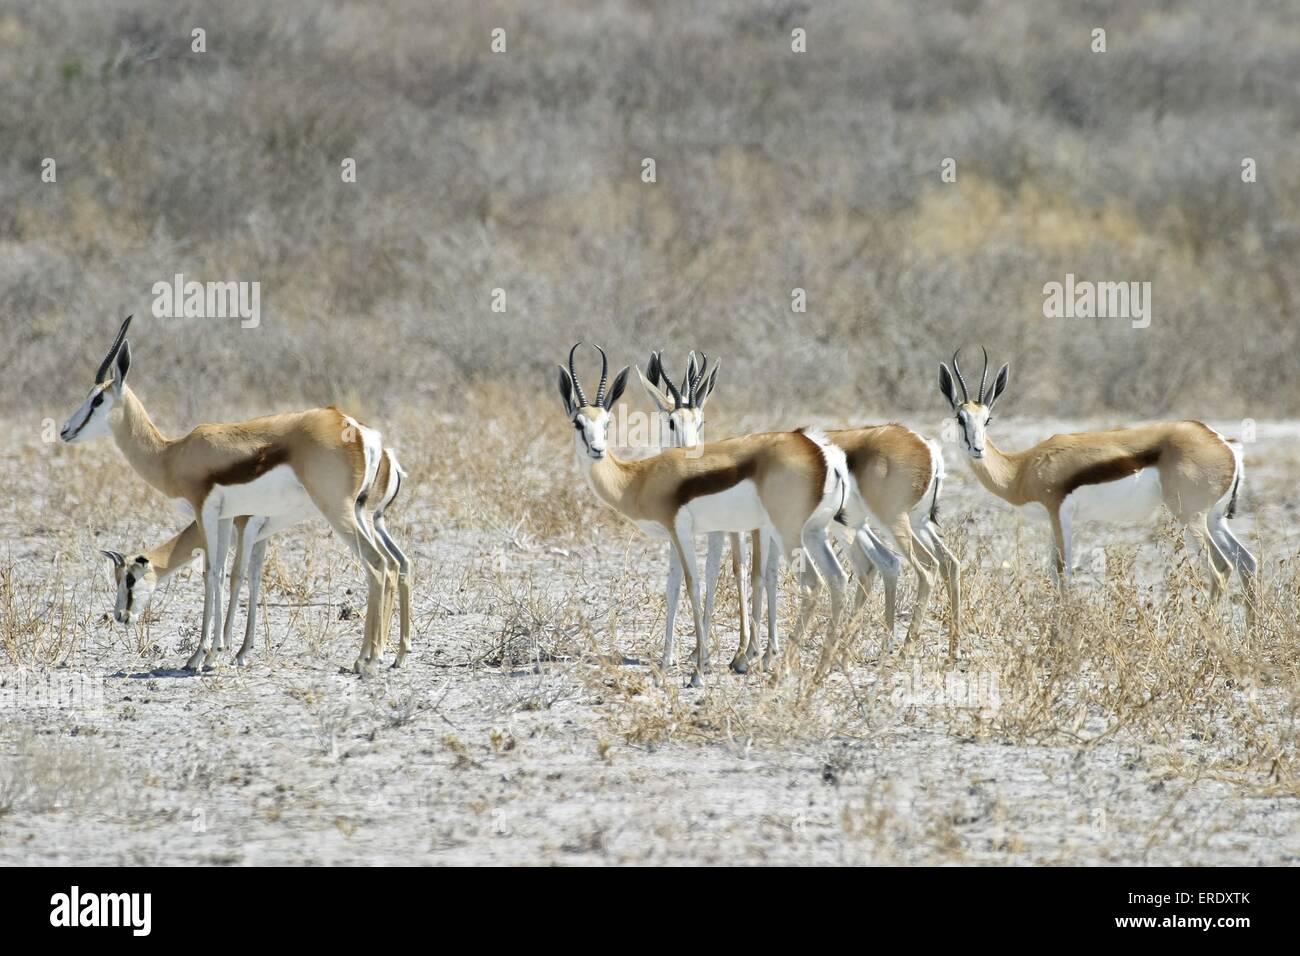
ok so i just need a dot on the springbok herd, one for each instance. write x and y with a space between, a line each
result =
790 491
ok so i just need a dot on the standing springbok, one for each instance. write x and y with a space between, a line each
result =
1118 476
282 467
682 408
895 475
136 578
787 484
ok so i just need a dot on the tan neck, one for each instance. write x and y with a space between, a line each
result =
999 472
140 441
173 554
611 479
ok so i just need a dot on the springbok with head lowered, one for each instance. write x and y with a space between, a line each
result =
790 485
283 467
1119 476
136 577
682 409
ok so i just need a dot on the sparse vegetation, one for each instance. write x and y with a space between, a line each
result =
1133 723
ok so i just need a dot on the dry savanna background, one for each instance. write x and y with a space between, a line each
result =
1134 723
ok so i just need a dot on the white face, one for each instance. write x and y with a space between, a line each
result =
90 420
591 432
973 419
685 427
135 579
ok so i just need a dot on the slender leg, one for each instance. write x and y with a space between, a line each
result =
712 567
881 559
818 546
403 588
1217 564
342 518
258 557
216 571
951 570
925 565
1063 549
671 595
771 566
690 566
738 570
244 539
1245 563
747 651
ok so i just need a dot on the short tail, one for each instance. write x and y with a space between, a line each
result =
940 473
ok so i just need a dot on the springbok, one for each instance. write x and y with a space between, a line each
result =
787 484
136 578
1119 476
682 409
282 467
895 475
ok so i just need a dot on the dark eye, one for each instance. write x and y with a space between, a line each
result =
99 400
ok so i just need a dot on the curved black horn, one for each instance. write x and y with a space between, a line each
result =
961 379
672 389
685 388
984 375
573 374
604 377
698 379
112 350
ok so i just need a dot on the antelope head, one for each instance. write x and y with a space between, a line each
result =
590 420
681 406
91 419
973 415
135 580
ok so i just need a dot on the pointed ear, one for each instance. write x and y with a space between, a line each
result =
946 385
653 369
662 401
999 384
117 557
566 391
707 388
121 365
616 390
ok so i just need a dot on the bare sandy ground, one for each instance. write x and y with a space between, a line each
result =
528 727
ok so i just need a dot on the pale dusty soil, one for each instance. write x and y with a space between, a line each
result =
459 759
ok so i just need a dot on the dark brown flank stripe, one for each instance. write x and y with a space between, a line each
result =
250 469
715 481
1112 470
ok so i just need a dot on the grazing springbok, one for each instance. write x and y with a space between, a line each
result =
136 578
283 467
789 485
1119 476
682 408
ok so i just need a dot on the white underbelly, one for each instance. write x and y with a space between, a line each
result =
1131 500
278 492
736 509
183 506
